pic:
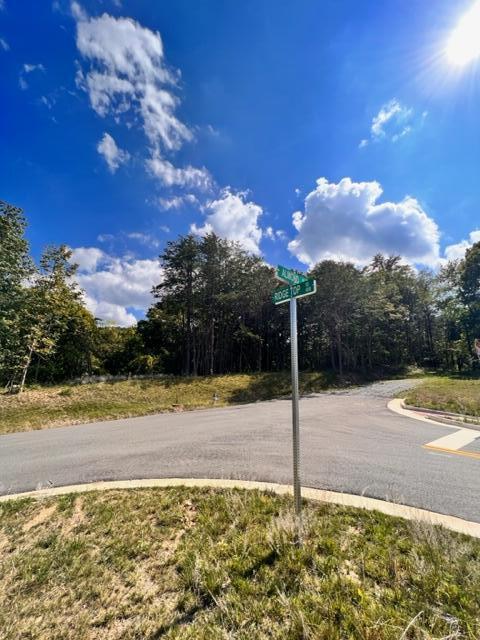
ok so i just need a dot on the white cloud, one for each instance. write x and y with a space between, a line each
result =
128 74
143 238
344 221
4 44
231 217
457 251
26 69
393 122
114 285
129 79
2 5
87 258
109 313
105 237
273 234
171 176
113 155
175 202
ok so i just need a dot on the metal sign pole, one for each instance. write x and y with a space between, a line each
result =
295 417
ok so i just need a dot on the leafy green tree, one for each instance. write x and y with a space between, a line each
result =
16 268
470 294
49 300
75 351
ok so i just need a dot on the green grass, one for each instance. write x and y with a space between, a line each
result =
458 395
208 564
42 407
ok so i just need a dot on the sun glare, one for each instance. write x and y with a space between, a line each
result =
464 43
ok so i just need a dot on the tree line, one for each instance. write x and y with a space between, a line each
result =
212 314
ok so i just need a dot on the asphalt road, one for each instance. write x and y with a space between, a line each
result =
350 442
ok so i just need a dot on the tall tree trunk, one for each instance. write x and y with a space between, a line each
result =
212 343
26 367
339 352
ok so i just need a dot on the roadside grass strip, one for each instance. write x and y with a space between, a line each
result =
456 395
60 405
189 563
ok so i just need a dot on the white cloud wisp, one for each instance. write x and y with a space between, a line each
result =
113 155
128 79
393 122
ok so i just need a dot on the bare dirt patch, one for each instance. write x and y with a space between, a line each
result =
41 516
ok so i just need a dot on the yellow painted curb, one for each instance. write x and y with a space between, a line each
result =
344 499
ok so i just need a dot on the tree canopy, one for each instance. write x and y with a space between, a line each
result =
212 313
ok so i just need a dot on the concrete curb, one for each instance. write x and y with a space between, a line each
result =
446 417
319 495
397 405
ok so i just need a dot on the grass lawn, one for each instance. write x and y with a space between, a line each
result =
447 394
210 564
42 407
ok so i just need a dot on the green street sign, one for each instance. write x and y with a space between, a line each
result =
290 276
284 294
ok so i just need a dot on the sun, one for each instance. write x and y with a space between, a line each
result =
464 43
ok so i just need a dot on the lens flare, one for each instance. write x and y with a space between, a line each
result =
464 43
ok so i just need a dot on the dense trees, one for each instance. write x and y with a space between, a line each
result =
212 313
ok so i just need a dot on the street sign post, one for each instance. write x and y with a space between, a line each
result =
299 285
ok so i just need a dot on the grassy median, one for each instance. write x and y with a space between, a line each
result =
41 407
458 395
211 564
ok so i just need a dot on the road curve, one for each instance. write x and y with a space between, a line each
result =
350 442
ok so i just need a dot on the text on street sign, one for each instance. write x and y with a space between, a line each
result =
290 275
284 294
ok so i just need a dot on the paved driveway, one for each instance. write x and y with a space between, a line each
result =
350 442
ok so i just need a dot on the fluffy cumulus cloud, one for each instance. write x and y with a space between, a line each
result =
393 122
345 221
113 155
457 251
114 286
232 217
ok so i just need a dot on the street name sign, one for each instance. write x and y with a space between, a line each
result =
298 286
305 288
290 276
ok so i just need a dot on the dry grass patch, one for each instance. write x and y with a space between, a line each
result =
205 564
44 407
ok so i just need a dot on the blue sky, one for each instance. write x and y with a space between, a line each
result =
304 130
